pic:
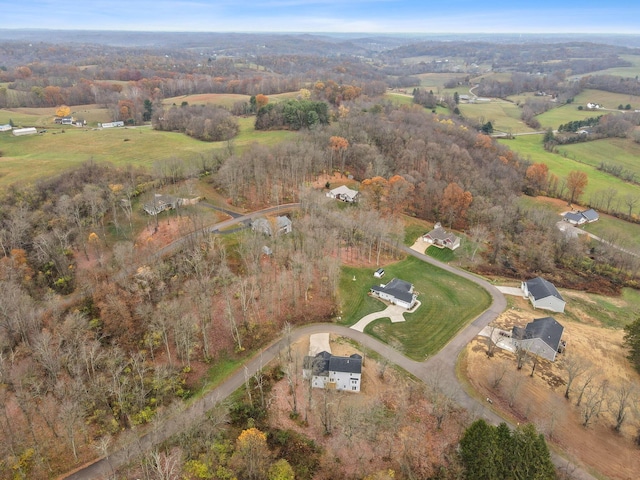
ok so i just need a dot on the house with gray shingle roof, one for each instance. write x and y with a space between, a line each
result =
580 218
440 238
543 294
328 371
542 337
397 292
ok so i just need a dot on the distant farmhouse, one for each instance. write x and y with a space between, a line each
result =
68 120
18 132
543 294
397 292
338 373
111 124
344 194
580 218
5 128
594 106
282 225
438 237
542 337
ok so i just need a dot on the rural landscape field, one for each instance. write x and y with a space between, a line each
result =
185 219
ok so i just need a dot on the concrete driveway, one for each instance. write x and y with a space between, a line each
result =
394 312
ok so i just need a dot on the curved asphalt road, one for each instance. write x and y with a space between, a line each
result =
440 369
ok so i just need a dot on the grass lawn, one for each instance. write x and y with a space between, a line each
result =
530 147
503 115
448 304
611 312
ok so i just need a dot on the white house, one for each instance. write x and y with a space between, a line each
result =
440 238
397 292
282 224
24 131
344 194
543 294
5 128
542 337
333 372
580 218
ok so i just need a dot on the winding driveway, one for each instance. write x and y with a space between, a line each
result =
440 368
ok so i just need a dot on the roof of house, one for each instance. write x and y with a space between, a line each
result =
574 217
398 288
591 215
350 364
540 288
547 329
324 362
439 233
344 190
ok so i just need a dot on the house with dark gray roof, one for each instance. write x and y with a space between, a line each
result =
440 238
160 203
328 371
397 292
542 337
543 294
580 218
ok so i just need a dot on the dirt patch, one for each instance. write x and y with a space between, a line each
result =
540 398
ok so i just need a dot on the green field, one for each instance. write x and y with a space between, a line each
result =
503 115
26 159
627 72
564 114
530 147
613 151
448 304
226 100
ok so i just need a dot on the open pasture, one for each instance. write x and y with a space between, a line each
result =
530 147
621 152
26 159
503 115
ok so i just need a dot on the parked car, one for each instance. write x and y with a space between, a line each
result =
379 273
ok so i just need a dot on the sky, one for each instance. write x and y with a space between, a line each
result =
339 16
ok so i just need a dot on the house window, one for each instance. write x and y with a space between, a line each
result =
354 388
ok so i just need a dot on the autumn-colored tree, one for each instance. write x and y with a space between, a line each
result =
576 183
484 141
375 190
53 95
252 456
63 111
281 470
399 191
338 146
126 108
304 94
23 72
455 202
537 177
261 100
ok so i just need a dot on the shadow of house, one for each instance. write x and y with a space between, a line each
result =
542 337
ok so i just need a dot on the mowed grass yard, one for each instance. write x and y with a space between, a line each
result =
449 303
621 152
29 158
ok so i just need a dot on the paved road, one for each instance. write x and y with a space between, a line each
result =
440 368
